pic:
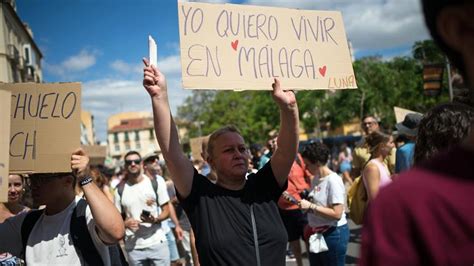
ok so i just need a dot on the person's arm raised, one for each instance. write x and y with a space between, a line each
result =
109 223
178 164
287 147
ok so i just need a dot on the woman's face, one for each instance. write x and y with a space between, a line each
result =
15 188
230 156
388 147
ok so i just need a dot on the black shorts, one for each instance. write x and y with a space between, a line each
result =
294 221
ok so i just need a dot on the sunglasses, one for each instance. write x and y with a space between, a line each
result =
129 162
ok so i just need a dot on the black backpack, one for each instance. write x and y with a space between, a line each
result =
80 237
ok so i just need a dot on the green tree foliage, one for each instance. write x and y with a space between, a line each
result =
253 112
427 52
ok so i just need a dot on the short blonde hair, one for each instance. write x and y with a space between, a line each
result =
218 133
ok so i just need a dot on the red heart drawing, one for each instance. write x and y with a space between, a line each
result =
322 71
234 44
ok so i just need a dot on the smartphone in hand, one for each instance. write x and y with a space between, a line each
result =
146 213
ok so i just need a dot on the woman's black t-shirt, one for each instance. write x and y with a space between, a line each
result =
222 223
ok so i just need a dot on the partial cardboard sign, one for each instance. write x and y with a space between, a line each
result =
196 147
226 46
4 143
45 126
400 113
96 153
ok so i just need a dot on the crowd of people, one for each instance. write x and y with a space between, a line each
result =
246 206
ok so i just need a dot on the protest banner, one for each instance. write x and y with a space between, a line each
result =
45 126
400 113
4 139
96 153
226 46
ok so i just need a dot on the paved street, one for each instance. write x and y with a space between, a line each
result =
352 250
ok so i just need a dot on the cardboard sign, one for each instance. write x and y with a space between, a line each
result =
245 47
96 153
4 143
196 147
45 126
400 113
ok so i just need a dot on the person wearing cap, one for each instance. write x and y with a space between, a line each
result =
426 216
144 209
152 169
408 128
50 241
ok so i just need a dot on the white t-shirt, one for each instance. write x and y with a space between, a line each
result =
49 242
326 192
134 198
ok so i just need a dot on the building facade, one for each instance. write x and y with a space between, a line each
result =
20 57
131 131
87 128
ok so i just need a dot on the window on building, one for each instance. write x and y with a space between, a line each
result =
126 137
127 146
137 135
138 146
116 137
117 147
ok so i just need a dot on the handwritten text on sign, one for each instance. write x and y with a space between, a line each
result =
245 47
45 126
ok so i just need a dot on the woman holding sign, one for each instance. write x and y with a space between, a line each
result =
236 220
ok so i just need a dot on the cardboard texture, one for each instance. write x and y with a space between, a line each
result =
226 46
4 143
45 126
400 113
96 153
196 147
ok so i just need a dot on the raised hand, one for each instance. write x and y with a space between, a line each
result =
153 80
80 164
281 97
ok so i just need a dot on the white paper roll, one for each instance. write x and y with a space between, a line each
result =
152 51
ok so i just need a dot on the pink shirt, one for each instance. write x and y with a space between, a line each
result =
384 174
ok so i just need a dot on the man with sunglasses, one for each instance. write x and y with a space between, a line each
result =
144 208
50 240
361 153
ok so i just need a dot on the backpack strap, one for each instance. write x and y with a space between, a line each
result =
27 226
154 183
120 188
81 238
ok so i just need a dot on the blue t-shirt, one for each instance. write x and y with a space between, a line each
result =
404 159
